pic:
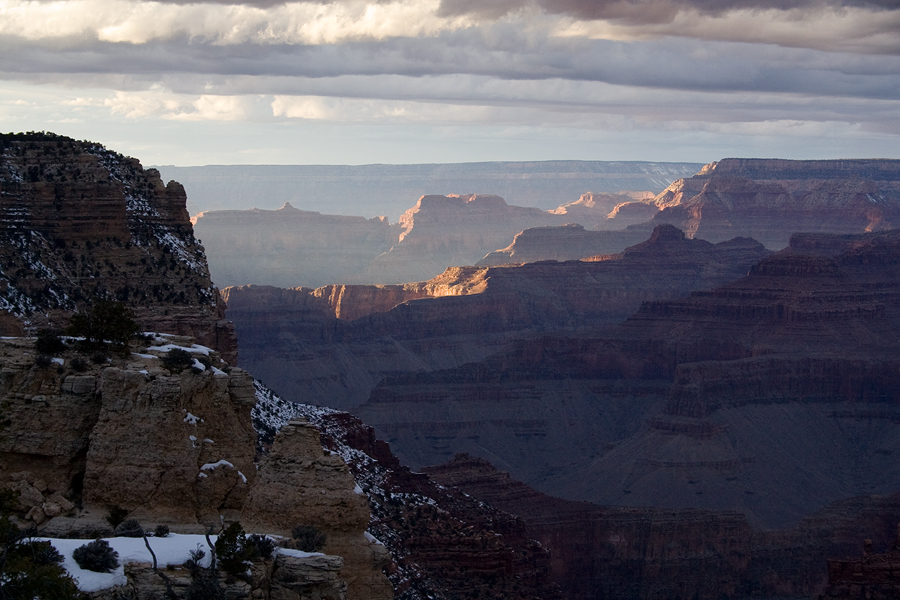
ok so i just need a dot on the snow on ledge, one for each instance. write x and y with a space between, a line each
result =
173 549
219 463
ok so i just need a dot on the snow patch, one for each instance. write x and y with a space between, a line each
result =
173 549
218 463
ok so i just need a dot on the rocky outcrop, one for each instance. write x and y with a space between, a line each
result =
283 577
288 337
594 210
127 434
445 544
289 247
441 231
301 485
81 222
92 433
769 200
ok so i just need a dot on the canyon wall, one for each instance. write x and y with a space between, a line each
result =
79 222
764 199
304 344
769 200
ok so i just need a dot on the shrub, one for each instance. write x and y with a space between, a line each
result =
263 546
161 531
96 556
308 538
232 550
42 361
130 528
116 515
49 342
104 321
79 364
100 357
176 360
32 570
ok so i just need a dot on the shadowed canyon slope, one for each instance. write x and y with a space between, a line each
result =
767 200
332 345
771 395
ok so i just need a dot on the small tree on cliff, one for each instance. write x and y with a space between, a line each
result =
103 323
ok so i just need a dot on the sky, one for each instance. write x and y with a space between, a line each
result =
428 81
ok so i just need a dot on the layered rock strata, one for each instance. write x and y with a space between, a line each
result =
79 222
289 247
614 552
88 437
772 395
289 337
769 200
566 242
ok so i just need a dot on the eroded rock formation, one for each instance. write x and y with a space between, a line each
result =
769 200
79 222
91 433
289 247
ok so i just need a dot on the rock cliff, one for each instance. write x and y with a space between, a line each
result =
88 436
78 222
769 200
566 242
289 247
445 544
595 210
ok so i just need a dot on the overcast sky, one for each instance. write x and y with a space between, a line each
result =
412 81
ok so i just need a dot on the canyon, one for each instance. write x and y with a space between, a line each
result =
293 248
675 417
767 200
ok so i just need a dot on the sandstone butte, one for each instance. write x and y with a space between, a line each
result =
81 438
290 247
764 199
